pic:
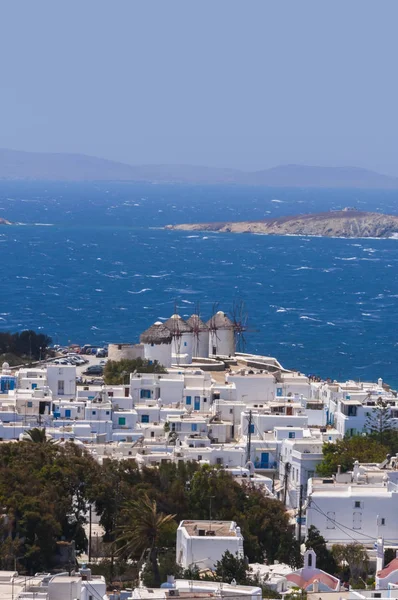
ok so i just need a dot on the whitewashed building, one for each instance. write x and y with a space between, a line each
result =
203 543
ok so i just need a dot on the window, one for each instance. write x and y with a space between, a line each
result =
145 393
199 457
94 412
30 404
188 400
357 504
357 520
382 521
152 434
144 418
194 427
107 412
122 420
185 344
330 522
292 435
252 428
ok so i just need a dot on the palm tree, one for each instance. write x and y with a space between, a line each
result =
37 436
141 533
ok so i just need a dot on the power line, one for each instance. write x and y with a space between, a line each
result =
340 525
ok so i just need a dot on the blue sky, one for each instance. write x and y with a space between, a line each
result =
247 84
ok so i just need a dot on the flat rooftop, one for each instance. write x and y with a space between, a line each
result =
220 528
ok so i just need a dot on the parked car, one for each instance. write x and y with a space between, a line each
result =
94 370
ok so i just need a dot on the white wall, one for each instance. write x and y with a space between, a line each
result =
361 524
158 352
204 551
62 380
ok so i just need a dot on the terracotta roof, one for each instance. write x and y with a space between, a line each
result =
390 568
331 582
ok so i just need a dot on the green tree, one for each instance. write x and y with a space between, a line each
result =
356 556
324 558
232 567
167 566
43 499
379 422
116 371
38 436
141 532
344 453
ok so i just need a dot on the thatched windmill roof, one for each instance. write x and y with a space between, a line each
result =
157 334
177 325
220 321
196 323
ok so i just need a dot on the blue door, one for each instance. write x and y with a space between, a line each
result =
67 413
264 460
197 403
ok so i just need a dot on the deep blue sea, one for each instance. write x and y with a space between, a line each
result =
93 264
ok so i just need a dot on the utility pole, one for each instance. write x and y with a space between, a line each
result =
300 513
285 481
89 533
249 436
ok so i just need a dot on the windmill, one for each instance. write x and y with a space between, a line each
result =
200 333
213 330
181 333
221 334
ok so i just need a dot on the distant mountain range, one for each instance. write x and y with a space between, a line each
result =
17 165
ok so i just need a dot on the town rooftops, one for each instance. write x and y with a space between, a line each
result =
211 528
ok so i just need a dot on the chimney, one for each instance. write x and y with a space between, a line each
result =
355 471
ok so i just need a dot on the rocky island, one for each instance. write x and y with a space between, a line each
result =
347 223
4 221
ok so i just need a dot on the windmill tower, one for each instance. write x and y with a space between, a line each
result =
221 335
157 344
182 339
200 336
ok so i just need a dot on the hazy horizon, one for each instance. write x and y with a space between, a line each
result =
226 84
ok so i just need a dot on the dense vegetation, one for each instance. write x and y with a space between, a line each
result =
346 451
45 490
27 344
116 372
